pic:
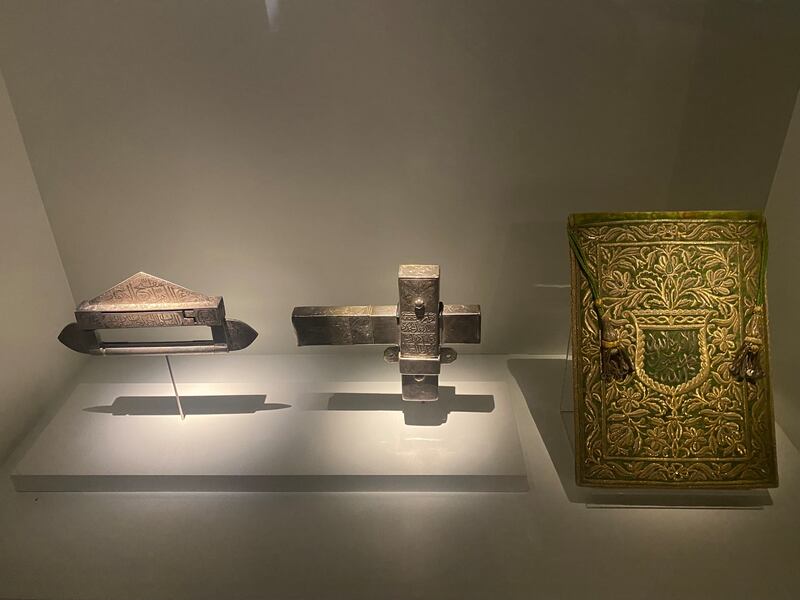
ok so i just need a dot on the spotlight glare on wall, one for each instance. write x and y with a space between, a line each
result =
273 14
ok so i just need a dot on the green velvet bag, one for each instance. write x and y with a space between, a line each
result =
670 350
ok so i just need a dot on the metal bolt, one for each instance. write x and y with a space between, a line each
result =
391 354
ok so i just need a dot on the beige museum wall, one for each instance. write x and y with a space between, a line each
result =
783 213
301 166
35 300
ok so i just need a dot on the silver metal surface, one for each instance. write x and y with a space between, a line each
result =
147 301
416 327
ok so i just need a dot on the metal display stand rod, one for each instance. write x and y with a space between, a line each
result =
175 388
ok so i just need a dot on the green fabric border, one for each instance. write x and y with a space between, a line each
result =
583 219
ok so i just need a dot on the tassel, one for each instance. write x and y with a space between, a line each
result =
616 363
746 365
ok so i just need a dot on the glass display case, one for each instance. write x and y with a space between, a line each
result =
282 154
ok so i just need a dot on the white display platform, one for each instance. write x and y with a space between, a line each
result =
276 423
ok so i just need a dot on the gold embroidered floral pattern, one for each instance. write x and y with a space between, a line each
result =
679 288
